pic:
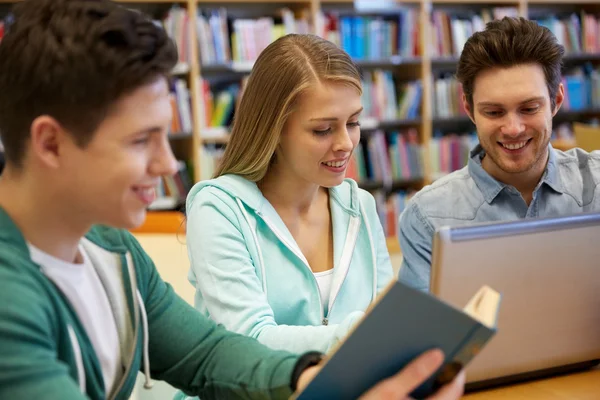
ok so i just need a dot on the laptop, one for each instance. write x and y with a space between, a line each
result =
548 273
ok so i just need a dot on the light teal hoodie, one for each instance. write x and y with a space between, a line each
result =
251 276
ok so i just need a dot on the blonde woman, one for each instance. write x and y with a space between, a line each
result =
282 247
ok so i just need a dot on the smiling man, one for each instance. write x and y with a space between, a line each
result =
511 77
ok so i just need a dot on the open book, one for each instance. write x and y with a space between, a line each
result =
401 325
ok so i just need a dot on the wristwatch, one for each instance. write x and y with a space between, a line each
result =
305 361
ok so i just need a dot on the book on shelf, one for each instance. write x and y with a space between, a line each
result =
223 39
582 88
210 157
578 32
451 29
394 331
395 156
180 100
384 98
373 37
449 152
389 208
172 190
176 24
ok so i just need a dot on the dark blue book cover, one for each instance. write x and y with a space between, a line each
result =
403 324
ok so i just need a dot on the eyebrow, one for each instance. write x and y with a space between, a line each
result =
335 118
149 130
529 100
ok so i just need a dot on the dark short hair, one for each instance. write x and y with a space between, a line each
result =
507 43
72 60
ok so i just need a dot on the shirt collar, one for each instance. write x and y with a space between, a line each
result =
491 188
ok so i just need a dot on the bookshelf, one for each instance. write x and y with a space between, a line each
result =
439 28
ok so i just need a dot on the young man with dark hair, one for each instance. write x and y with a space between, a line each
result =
511 78
84 114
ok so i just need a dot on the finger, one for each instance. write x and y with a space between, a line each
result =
453 390
408 379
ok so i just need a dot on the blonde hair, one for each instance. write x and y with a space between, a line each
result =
285 69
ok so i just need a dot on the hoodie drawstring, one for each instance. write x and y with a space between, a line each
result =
146 335
260 257
373 256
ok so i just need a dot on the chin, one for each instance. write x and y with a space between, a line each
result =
332 183
129 220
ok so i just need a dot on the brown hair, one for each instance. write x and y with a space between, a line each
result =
285 69
71 60
510 42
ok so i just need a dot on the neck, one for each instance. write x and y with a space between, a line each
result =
290 194
525 182
42 216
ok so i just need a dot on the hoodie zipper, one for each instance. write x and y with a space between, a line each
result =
136 319
324 321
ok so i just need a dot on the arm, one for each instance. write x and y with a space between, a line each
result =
224 274
29 366
416 240
193 354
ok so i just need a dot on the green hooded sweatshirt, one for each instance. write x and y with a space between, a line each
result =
46 353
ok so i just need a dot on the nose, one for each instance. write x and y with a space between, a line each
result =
343 141
512 126
163 162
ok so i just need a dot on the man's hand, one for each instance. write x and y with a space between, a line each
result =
404 382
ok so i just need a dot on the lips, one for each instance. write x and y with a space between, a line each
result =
336 163
146 194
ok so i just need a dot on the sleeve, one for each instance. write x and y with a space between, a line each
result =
29 366
192 353
225 277
416 241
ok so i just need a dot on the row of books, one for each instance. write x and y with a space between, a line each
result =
172 190
176 24
241 40
451 32
373 37
181 107
449 152
389 207
582 91
582 88
385 98
387 157
579 33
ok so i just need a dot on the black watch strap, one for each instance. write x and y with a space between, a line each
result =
305 361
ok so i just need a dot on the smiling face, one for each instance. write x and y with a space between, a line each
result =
319 136
513 115
112 179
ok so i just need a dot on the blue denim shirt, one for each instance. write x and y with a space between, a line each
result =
569 185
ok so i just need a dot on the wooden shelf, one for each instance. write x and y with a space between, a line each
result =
395 185
181 135
564 145
395 61
216 140
201 2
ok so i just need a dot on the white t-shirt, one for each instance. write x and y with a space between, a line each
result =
82 287
324 280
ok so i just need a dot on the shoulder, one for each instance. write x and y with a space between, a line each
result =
454 196
578 161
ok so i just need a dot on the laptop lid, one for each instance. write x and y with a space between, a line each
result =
548 272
